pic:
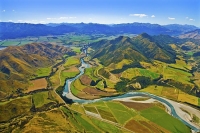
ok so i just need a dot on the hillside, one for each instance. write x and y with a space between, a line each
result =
191 34
20 63
140 48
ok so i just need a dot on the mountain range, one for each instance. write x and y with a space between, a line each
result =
141 48
18 30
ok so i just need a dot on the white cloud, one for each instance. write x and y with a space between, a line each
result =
72 17
153 16
63 18
51 18
186 17
138 15
4 11
10 21
13 10
191 19
171 18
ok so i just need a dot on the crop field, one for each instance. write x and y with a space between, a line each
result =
199 101
41 72
169 72
157 90
183 97
134 72
71 61
76 49
41 98
163 119
171 93
37 84
67 74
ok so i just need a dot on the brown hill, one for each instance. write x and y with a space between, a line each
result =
19 63
192 34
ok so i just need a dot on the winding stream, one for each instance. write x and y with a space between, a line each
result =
68 94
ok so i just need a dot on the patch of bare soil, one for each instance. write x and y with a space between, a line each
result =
85 80
37 84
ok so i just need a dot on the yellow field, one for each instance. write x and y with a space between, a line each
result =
78 85
183 97
157 90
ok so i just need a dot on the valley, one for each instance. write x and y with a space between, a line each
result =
56 86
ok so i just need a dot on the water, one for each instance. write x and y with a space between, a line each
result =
1 48
129 94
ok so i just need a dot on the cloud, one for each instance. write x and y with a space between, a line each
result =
186 17
4 11
10 21
63 18
191 19
51 18
138 15
171 18
153 16
13 10
72 17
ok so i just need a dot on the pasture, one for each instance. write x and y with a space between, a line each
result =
165 120
41 98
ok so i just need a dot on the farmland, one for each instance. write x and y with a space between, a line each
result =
37 84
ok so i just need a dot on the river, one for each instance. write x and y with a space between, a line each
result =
1 48
68 94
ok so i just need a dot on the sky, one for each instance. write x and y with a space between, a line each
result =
101 11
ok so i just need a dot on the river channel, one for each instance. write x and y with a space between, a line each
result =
68 94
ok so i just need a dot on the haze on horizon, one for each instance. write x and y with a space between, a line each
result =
101 11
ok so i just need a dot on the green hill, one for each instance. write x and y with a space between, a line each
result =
137 49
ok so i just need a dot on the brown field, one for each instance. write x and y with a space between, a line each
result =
72 69
110 90
85 80
93 91
136 127
138 106
150 126
37 84
84 95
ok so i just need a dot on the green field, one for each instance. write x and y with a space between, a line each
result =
134 72
71 61
76 49
165 120
41 72
41 98
121 113
67 75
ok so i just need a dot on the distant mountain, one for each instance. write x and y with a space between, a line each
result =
17 30
19 63
137 49
191 34
180 28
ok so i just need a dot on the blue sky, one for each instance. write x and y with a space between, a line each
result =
101 11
